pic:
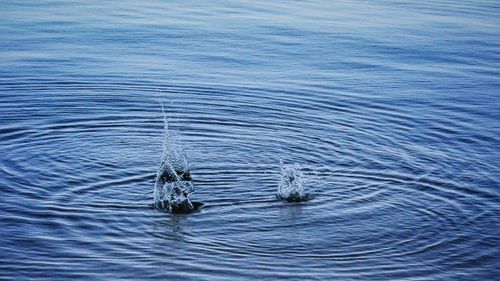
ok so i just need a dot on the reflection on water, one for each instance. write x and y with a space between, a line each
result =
391 106
292 212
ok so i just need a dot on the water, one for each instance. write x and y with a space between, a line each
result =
173 181
392 106
294 185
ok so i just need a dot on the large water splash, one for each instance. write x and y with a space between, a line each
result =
294 184
173 183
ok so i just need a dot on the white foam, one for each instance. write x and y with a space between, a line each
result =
293 184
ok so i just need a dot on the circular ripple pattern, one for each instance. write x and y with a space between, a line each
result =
392 107
78 168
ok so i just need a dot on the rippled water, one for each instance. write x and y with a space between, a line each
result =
393 107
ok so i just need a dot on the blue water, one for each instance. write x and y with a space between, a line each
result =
392 106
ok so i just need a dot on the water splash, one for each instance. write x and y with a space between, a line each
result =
173 183
294 183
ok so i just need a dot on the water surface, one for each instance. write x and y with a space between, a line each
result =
393 105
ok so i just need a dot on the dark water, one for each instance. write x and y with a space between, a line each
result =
393 105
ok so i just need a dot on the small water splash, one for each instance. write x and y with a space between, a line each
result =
294 184
173 184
